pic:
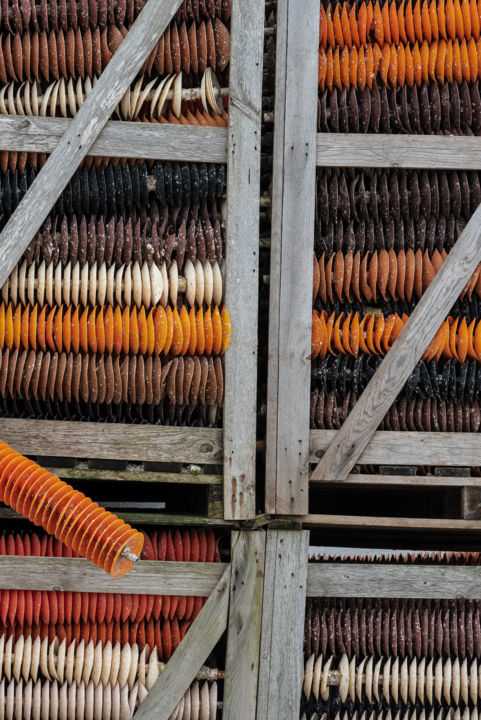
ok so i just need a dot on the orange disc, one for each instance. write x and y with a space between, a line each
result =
61 502
42 480
160 329
15 476
96 532
25 326
149 323
142 330
177 334
170 330
72 515
31 486
100 332
104 540
122 564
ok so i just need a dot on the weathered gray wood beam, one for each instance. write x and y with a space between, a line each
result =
408 448
75 144
242 256
244 628
399 581
283 625
389 379
293 213
146 443
186 143
162 578
185 663
398 151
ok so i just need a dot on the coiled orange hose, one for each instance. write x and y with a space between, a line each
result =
68 514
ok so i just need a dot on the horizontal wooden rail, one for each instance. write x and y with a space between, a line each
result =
160 519
431 481
159 578
374 522
119 139
408 448
144 443
396 581
398 151
141 476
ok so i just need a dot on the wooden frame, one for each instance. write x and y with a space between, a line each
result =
90 132
291 446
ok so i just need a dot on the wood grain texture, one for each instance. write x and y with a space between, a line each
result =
149 443
407 350
75 144
141 476
369 522
159 519
408 448
162 578
398 151
190 655
275 258
244 627
283 625
119 139
242 256
296 209
398 581
409 480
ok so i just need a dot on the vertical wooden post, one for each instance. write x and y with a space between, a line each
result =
242 256
292 238
244 625
284 608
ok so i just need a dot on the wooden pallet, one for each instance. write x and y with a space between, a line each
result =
91 132
298 457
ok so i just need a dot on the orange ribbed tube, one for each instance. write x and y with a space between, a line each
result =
74 519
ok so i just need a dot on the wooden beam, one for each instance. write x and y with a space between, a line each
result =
398 151
389 379
372 522
141 476
408 448
431 481
242 256
283 625
75 144
244 628
399 581
146 443
185 663
119 139
160 578
293 214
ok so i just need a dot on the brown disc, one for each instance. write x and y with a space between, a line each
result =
70 52
84 379
194 60
76 375
53 55
117 382
168 65
159 56
211 54
222 44
26 45
8 58
83 14
17 56
132 386
211 385
43 380
93 389
148 370
109 379
106 54
115 38
156 377
202 48
44 56
219 375
184 48
11 373
61 367
79 54
67 378
175 48
35 381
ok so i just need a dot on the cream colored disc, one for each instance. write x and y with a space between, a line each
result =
447 679
52 657
14 285
208 283
93 284
141 692
84 285
199 283
137 284
308 673
102 284
195 701
134 660
177 101
165 285
61 656
145 286
316 677
115 706
31 283
404 681
22 273
124 665
88 661
429 684
413 672
142 671
204 701
375 679
80 702
119 277
80 93
133 697
62 98
438 680
18 700
10 701
8 658
464 682
156 94
456 681
98 701
368 679
153 669
89 701
41 283
386 677
124 703
187 708
79 662
37 701
53 700
106 663
63 713
27 700
213 701
173 282
97 665
115 666
49 285
473 682
70 662
217 284
57 284
189 275
156 284
421 680
107 702
75 287
22 653
128 286
110 284
67 283
352 679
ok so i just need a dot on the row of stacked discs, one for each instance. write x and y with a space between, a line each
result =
369 658
116 309
94 656
382 234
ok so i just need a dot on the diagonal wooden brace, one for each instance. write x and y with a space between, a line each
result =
83 131
407 350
